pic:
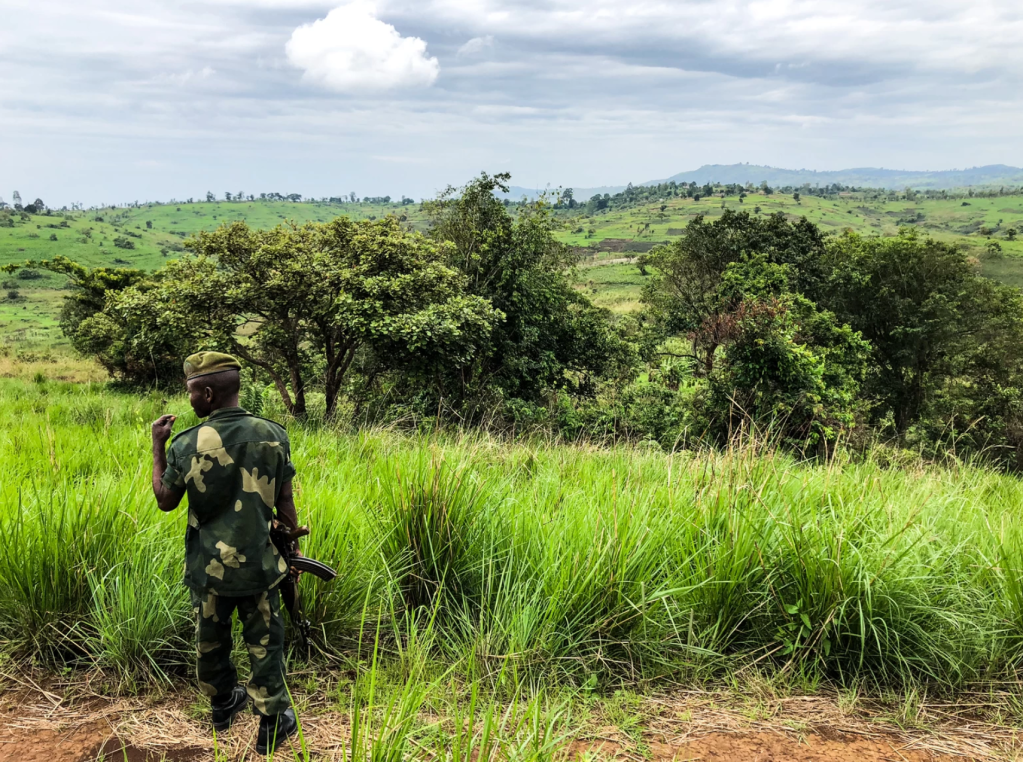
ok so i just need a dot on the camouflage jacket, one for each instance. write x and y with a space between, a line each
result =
233 467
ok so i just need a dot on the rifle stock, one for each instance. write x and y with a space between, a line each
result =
311 566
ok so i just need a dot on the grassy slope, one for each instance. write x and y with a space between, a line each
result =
605 275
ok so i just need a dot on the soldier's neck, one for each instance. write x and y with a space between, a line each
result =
221 404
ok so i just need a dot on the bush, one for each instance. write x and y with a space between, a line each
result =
789 368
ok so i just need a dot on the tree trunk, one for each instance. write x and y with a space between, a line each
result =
298 388
336 370
282 388
708 362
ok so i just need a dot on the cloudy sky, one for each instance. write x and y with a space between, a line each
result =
110 101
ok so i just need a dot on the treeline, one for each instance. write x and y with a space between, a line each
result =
35 207
636 195
640 195
238 197
749 323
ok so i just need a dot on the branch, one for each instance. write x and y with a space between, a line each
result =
282 387
339 362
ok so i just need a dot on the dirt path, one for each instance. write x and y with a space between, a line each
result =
683 727
95 743
770 747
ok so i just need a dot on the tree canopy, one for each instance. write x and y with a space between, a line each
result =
551 336
299 302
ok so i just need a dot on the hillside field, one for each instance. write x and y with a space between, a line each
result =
610 238
607 241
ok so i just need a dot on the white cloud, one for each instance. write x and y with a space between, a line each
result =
936 35
351 50
476 45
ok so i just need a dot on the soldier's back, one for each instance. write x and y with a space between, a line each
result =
232 467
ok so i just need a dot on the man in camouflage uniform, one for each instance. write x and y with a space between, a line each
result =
236 468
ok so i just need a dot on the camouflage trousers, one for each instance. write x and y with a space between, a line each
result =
263 631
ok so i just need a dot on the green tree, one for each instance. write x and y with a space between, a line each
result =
300 302
551 336
921 306
98 333
789 367
683 295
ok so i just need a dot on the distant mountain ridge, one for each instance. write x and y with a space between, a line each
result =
872 177
866 177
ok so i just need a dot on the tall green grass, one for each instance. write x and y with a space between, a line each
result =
553 563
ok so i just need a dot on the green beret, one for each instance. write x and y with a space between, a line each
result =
206 363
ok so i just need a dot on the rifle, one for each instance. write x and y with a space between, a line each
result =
286 540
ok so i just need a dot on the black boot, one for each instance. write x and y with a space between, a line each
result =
274 730
227 706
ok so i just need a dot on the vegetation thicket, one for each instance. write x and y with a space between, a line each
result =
745 321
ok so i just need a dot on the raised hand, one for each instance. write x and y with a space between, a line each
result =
162 429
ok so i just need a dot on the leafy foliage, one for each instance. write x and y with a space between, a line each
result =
95 331
551 336
932 323
790 366
302 301
685 291
735 290
749 321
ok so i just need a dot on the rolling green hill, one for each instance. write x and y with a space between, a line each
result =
143 237
608 241
612 238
